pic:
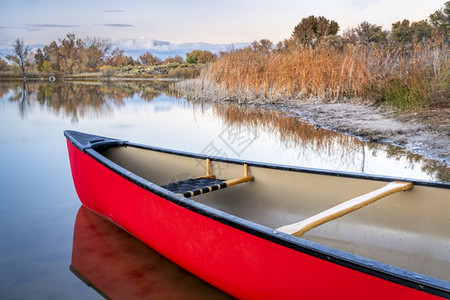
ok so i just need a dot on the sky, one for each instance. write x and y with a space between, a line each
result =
140 23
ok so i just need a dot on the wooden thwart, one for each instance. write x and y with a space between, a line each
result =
240 179
208 170
299 228
217 186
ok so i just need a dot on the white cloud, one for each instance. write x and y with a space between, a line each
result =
163 49
141 44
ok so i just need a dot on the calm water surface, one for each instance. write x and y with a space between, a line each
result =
40 217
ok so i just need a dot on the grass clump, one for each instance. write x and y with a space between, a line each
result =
404 96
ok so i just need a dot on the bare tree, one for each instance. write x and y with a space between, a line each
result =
21 56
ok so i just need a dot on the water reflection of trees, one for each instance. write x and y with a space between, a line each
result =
4 89
428 166
20 93
312 142
318 142
78 100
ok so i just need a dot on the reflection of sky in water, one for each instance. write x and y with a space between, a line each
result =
174 123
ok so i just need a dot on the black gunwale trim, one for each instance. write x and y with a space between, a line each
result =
378 269
84 141
291 168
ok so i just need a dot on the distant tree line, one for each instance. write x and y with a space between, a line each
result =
71 55
320 32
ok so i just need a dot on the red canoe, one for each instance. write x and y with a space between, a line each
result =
260 231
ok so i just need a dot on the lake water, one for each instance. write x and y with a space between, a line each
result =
41 223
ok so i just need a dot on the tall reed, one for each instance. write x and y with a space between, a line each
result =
382 74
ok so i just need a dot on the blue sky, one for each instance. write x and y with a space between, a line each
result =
176 21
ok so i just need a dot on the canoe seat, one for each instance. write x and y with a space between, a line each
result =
195 186
205 184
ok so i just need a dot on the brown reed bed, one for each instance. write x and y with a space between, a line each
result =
410 80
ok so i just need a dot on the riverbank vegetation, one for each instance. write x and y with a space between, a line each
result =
406 67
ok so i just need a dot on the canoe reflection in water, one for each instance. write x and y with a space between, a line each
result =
118 266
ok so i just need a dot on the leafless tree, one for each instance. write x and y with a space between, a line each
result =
21 56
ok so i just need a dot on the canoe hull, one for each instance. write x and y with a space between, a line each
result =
244 264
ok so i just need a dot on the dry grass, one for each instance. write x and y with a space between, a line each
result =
406 81
297 74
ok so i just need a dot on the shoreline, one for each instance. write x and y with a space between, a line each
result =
425 133
379 125
86 78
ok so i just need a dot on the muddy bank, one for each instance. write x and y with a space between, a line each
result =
377 124
424 133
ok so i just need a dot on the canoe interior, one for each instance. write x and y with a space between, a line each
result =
409 229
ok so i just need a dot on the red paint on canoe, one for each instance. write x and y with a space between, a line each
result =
241 264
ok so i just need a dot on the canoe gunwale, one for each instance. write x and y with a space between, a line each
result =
375 268
111 142
290 168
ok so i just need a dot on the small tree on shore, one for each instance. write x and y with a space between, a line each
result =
21 56
370 33
200 57
440 20
407 34
40 58
47 67
312 30
117 58
263 45
148 59
422 31
93 53
3 65
70 50
173 60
